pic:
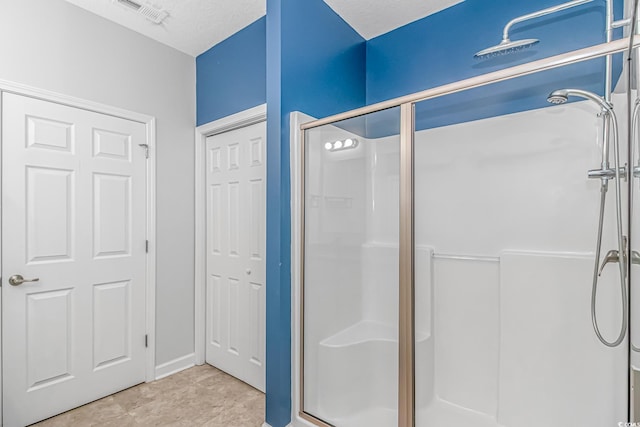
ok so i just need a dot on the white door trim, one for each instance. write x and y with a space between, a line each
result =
236 121
150 124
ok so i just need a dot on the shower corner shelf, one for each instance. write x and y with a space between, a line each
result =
366 331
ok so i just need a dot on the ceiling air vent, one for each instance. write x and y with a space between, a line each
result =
153 14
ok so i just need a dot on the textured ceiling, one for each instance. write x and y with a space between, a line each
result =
371 18
193 26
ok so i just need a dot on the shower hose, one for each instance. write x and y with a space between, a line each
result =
610 116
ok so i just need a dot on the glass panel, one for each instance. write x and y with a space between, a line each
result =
351 271
634 276
506 227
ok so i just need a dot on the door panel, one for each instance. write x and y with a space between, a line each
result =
49 338
111 215
49 134
73 201
112 324
49 213
235 310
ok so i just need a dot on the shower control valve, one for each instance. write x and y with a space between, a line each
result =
608 173
611 256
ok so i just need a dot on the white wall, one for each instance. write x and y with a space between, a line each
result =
53 45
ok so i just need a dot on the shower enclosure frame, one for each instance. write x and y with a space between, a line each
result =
406 341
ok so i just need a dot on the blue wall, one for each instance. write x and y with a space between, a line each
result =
231 76
315 64
440 49
323 60
304 57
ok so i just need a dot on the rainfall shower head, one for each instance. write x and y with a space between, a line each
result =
508 46
505 46
561 96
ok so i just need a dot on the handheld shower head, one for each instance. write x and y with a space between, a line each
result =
558 97
561 96
504 47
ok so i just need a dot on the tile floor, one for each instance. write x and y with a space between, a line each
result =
199 396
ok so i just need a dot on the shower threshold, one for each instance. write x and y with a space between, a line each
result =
439 413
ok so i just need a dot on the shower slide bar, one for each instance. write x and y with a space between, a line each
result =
573 57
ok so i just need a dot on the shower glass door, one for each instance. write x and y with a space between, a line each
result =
506 223
449 257
350 272
634 266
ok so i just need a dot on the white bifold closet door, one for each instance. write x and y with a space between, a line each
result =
73 216
235 308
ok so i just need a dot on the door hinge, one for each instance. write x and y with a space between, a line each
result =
146 341
146 246
146 150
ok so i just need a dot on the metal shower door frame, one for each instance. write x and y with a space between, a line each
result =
406 371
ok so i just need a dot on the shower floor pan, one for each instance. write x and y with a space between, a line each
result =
361 363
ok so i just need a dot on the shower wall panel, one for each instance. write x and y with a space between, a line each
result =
506 205
467 333
516 181
553 370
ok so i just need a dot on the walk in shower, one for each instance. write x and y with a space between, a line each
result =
446 251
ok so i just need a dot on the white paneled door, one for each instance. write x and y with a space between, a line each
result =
73 216
235 309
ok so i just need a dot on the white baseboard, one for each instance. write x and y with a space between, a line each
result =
175 365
